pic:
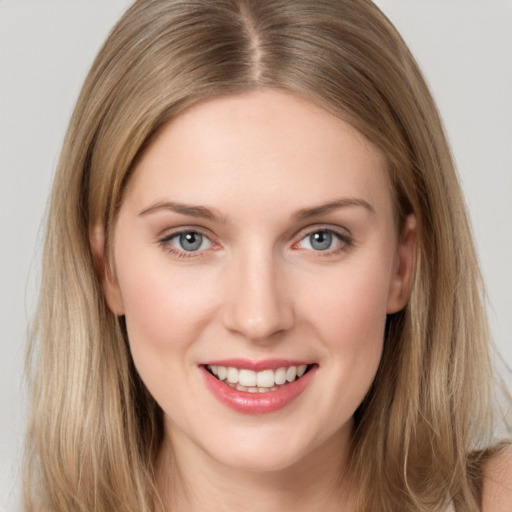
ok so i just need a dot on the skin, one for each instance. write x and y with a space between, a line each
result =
258 289
497 483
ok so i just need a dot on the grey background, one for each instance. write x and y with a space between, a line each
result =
46 46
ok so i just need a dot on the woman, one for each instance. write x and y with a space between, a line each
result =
259 285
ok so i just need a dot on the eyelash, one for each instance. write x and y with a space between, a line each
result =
344 242
179 253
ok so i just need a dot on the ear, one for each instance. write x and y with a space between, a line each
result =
105 270
405 261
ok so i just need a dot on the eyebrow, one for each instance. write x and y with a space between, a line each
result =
202 212
315 211
185 209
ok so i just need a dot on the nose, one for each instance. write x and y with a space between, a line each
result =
259 305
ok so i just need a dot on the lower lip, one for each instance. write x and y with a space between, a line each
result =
257 403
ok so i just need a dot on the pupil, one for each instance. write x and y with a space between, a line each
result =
191 241
321 240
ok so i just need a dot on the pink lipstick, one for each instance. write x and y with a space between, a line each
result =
257 387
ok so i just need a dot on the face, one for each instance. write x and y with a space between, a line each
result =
255 258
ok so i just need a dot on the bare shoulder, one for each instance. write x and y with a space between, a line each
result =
497 482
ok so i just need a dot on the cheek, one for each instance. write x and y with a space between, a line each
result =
349 316
350 301
165 309
166 313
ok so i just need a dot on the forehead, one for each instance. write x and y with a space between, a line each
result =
267 145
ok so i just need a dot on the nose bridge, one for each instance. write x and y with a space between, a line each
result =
259 305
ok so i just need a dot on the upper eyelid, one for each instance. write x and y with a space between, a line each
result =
168 234
337 230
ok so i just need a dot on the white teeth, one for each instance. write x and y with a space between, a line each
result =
247 378
265 379
253 382
232 375
280 376
291 373
222 372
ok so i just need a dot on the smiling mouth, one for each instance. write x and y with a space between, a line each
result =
258 382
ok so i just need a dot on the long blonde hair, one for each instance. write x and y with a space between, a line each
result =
95 431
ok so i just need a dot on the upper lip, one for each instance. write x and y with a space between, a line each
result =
264 364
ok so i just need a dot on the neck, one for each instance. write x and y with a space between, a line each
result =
190 480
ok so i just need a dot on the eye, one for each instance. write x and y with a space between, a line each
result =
324 240
188 241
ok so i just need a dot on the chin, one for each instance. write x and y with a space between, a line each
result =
269 450
270 460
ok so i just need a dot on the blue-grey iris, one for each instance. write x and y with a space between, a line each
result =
191 241
321 240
